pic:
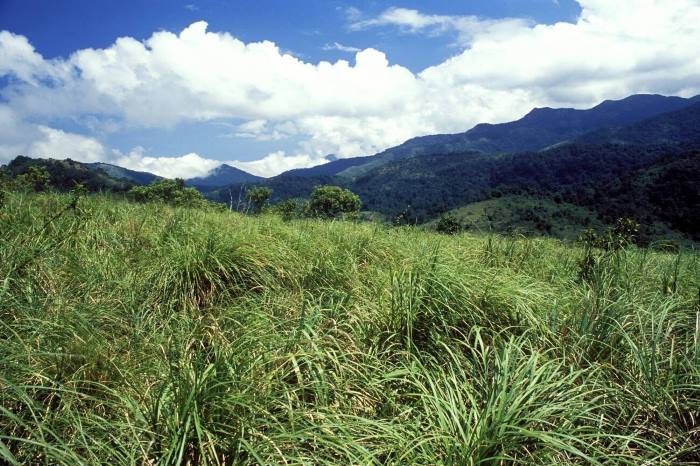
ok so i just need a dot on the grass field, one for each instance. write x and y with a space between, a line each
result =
145 334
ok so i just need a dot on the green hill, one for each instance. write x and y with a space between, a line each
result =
66 174
526 215
147 334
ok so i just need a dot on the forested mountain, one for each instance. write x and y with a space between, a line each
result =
66 174
117 172
677 127
223 175
575 172
539 129
331 168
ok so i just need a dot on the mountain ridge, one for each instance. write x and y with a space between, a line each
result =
222 175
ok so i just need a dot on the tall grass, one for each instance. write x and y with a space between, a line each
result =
146 334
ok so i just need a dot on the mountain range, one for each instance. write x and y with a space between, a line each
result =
552 168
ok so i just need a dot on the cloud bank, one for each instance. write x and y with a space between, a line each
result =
347 108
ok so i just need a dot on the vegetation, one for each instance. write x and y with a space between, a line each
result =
623 167
448 224
64 175
257 197
529 215
333 202
147 333
172 192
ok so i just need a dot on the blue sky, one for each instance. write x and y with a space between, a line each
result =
197 82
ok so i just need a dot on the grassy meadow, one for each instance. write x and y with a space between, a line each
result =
145 334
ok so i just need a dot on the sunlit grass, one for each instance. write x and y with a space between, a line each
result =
145 334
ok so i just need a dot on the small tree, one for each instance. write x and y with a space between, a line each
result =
257 196
333 202
36 178
449 225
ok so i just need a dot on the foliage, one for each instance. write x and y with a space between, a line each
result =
142 333
449 225
333 202
406 217
65 174
614 239
36 178
257 196
619 236
291 208
172 192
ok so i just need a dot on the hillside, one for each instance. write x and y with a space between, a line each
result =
539 129
66 174
124 173
145 334
678 127
526 215
431 184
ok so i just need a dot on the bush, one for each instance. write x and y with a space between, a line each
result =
449 225
257 196
333 202
406 217
291 208
36 178
172 192
619 236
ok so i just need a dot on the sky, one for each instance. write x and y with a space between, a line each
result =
178 87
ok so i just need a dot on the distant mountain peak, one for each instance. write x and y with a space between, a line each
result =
222 175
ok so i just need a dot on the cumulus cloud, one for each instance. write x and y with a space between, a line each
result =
349 107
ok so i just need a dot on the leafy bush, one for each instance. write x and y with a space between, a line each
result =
172 192
36 178
292 208
599 248
333 202
449 225
257 196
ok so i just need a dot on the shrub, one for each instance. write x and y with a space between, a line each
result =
449 225
172 192
333 202
257 196
406 217
617 237
291 208
36 178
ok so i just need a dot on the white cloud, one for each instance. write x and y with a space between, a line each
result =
184 166
341 48
57 144
276 162
348 108
413 21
